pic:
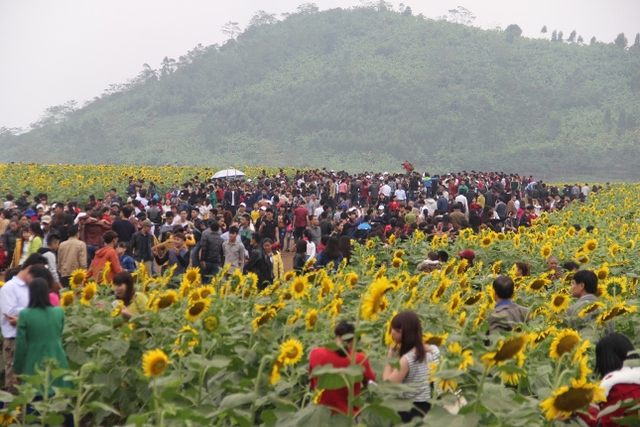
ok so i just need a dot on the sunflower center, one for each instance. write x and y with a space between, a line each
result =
509 349
566 344
573 399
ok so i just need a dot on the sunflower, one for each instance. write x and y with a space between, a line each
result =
396 262
454 303
211 322
78 277
263 318
583 258
461 268
516 241
291 352
506 349
117 309
566 400
154 362
590 245
369 244
538 337
289 275
496 267
603 272
486 241
392 240
545 251
299 287
192 275
473 299
462 319
188 336
559 302
275 373
583 368
67 298
435 339
88 292
538 284
563 343
106 271
591 308
466 356
165 299
373 300
351 279
196 309
615 311
581 351
311 319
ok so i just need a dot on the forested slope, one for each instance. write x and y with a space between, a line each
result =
365 88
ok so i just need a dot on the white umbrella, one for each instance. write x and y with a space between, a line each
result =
228 173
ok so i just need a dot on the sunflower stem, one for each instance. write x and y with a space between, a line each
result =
256 388
479 393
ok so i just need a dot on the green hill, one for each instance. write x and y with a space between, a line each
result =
361 89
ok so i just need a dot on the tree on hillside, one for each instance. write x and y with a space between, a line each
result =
580 40
512 32
461 15
55 114
231 29
636 43
621 41
554 36
544 30
262 18
407 11
168 66
307 8
560 35
572 37
593 41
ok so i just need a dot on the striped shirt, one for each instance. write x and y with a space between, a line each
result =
418 375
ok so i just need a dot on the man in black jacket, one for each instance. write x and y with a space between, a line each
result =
211 255
259 263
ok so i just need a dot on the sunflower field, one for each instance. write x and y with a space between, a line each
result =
61 182
226 354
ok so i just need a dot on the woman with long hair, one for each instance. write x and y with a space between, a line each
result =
276 258
330 253
133 302
344 244
620 383
415 357
39 337
300 258
38 237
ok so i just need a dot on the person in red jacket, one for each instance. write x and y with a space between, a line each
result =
108 253
338 399
619 382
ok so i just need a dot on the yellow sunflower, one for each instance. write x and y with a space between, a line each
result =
538 284
351 279
291 352
311 319
78 277
67 298
154 362
88 292
117 309
564 342
603 272
211 322
188 336
165 299
396 262
545 251
559 302
263 318
454 303
466 356
538 337
373 301
615 311
275 373
473 299
299 287
196 309
506 349
590 245
486 241
192 275
435 339
566 400
289 275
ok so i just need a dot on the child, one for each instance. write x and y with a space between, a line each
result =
124 254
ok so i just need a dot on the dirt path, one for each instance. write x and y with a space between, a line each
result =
287 259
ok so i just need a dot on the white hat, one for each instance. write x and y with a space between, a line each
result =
242 204
381 207
263 208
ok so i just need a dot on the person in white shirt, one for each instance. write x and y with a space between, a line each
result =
401 194
14 296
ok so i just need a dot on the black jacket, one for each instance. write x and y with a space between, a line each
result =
211 248
260 264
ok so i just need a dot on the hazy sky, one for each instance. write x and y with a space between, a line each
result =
52 51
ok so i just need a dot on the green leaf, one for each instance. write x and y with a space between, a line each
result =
383 411
236 399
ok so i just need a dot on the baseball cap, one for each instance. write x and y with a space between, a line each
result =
46 219
263 208
467 254
146 223
242 204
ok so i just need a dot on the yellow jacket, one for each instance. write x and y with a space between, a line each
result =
278 266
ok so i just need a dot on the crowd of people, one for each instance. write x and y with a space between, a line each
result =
248 224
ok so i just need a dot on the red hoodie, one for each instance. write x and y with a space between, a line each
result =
97 265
